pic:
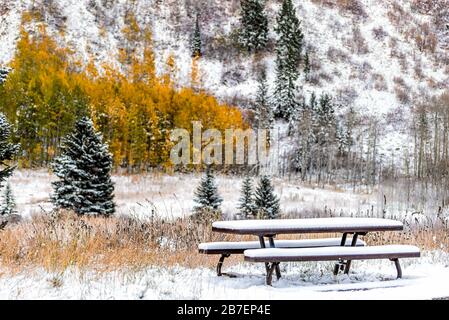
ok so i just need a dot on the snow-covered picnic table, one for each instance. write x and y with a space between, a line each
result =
271 228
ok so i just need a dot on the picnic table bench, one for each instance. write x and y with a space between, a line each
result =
272 252
226 249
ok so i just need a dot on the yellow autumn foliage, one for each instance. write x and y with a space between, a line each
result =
131 106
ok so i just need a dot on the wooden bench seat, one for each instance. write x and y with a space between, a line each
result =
225 249
277 255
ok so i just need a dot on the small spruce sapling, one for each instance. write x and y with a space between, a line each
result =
206 195
246 206
196 40
267 203
9 203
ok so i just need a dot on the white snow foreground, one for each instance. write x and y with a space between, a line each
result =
425 278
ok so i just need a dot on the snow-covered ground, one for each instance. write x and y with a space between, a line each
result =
172 195
424 278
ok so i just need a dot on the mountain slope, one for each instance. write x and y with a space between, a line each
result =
377 56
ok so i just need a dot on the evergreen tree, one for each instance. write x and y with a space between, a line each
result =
7 149
3 75
263 113
326 121
254 25
307 66
344 134
84 172
305 134
246 206
267 203
9 203
206 196
288 49
196 39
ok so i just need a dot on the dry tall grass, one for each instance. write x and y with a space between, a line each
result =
58 241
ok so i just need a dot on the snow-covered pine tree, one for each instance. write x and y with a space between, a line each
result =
84 172
196 44
326 121
9 203
246 206
206 195
7 149
305 137
3 74
307 66
344 134
288 48
267 203
254 25
263 113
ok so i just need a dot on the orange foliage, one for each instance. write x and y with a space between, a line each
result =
134 109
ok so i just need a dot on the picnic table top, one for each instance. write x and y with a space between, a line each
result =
318 225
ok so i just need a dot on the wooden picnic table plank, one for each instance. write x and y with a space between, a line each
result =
299 226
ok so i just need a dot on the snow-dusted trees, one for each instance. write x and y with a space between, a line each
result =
263 112
306 137
196 44
7 149
254 25
430 129
307 67
288 48
246 206
267 203
132 105
84 172
320 138
326 121
8 205
206 195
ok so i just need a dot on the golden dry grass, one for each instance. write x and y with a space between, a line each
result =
58 241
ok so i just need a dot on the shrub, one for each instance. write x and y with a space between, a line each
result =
358 43
379 33
354 7
379 82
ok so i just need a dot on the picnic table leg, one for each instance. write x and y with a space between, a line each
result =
353 244
262 245
342 244
220 264
270 273
278 270
398 267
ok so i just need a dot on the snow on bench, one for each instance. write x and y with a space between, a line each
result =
331 253
240 247
317 225
277 255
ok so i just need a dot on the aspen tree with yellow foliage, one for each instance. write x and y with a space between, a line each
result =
130 105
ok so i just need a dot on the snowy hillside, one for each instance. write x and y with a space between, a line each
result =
367 53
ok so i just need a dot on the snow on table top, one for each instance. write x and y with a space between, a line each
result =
334 251
306 225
